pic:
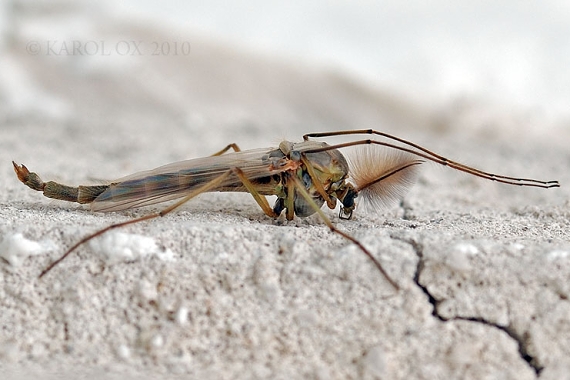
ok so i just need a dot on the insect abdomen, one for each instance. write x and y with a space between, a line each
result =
54 190
81 194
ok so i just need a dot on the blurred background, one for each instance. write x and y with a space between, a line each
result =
256 72
513 53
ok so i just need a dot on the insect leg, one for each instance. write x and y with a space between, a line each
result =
228 147
290 201
301 190
205 188
428 155
318 185
260 199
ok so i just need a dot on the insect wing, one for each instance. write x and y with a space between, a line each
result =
175 180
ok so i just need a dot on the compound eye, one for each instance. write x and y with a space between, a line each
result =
348 200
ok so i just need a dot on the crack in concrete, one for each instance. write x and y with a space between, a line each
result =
520 340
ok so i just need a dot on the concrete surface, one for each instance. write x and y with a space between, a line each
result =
217 289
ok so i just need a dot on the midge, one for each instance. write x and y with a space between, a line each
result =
302 175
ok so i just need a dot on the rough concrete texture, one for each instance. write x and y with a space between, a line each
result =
218 290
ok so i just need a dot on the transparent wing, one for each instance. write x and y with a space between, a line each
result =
175 180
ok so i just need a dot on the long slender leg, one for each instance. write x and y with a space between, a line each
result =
428 155
260 199
446 162
205 188
290 200
301 190
318 185
228 147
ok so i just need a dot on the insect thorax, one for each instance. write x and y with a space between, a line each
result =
329 168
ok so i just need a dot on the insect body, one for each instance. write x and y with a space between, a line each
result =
266 171
303 176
